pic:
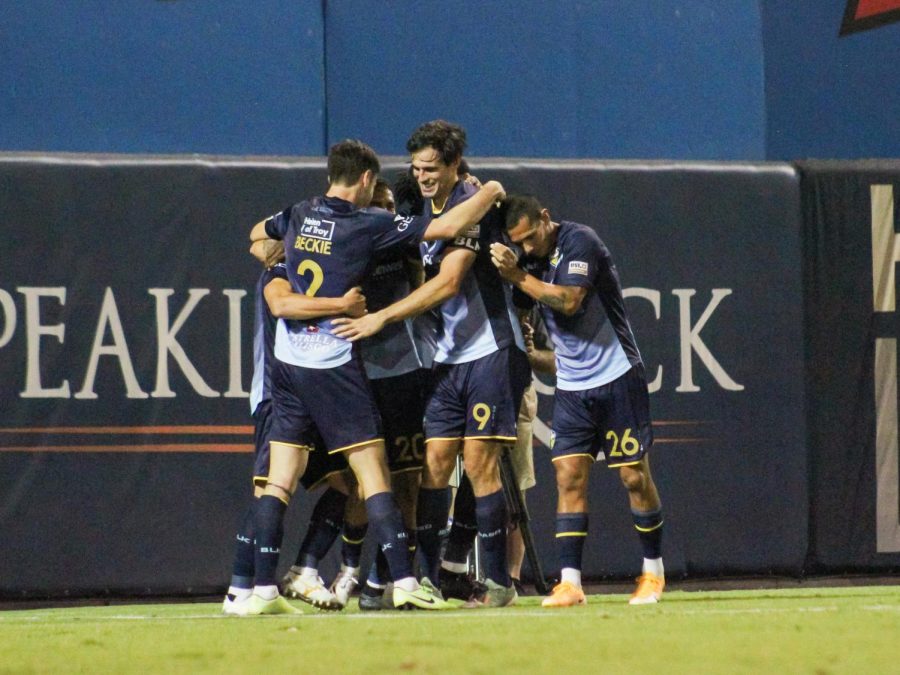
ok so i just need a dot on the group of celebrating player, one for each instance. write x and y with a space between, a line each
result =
375 378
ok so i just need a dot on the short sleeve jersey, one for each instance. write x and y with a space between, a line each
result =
595 345
329 246
481 318
263 339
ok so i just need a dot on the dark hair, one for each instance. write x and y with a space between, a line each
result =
407 195
516 206
379 194
463 168
448 139
349 159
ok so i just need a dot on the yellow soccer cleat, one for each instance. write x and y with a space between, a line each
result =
277 605
649 589
565 594
424 597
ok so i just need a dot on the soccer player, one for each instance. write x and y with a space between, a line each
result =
271 255
383 196
480 366
319 384
601 406
328 518
455 580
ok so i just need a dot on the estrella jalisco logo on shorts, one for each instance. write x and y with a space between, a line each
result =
315 236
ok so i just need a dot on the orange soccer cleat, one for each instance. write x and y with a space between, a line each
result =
649 589
565 594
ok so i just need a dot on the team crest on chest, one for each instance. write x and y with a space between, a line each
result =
556 258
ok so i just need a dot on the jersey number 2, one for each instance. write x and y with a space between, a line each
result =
318 276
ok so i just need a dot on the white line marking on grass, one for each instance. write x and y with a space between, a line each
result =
755 610
419 615
882 608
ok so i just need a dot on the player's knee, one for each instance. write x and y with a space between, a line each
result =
633 478
438 469
481 466
571 478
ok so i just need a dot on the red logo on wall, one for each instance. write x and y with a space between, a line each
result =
865 14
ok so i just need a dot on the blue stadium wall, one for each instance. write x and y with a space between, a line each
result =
832 82
692 79
527 78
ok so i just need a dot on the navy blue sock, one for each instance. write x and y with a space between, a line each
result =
377 577
464 528
242 568
324 526
387 524
268 522
352 538
649 527
492 516
431 524
571 532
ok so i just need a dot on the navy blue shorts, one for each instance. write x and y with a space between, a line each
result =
401 401
336 404
610 422
479 399
262 428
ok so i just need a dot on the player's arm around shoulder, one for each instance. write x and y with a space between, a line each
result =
453 222
444 285
563 299
284 303
272 227
258 231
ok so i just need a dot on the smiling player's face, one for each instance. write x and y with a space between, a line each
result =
435 178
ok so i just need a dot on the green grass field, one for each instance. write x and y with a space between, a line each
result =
809 630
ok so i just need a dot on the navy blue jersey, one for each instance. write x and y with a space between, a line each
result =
329 245
263 339
392 351
480 319
596 344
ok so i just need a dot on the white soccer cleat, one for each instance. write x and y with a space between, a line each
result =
343 585
311 590
235 607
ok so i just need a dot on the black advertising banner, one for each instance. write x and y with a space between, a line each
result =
125 342
708 255
851 248
126 295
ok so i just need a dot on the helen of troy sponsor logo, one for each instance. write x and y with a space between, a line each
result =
318 229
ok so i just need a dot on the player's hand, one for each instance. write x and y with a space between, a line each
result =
357 329
355 302
507 263
473 180
528 337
